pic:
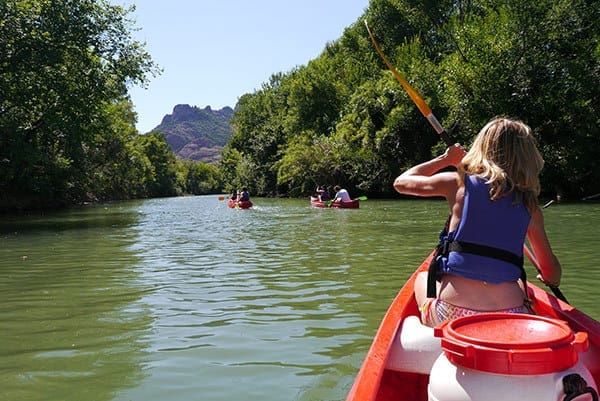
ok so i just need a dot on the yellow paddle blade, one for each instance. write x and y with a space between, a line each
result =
416 98
423 107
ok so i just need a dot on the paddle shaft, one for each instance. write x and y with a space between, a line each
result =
328 203
428 114
416 98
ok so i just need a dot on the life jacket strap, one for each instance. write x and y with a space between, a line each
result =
484 250
445 247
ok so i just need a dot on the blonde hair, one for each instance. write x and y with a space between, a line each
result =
505 153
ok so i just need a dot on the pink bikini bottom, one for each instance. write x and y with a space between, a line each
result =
435 311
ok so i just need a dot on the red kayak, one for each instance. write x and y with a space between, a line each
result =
236 204
353 204
491 356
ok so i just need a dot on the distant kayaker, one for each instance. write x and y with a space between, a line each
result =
341 195
493 208
244 195
323 193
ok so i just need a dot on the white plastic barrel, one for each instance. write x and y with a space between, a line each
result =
512 357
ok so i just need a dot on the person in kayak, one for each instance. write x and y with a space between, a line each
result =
323 193
244 195
493 203
341 195
234 195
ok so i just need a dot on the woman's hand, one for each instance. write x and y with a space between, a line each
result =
425 179
454 154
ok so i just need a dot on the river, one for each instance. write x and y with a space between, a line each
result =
184 299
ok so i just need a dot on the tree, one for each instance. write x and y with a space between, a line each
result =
161 179
62 63
537 60
116 164
258 133
200 178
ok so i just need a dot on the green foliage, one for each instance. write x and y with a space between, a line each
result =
67 128
117 166
307 163
343 118
200 178
261 117
161 178
230 158
533 60
63 68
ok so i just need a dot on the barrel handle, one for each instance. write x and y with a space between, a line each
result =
574 385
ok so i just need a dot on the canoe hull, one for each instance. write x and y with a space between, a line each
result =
354 204
239 204
388 374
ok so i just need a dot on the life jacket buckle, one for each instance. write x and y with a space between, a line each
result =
445 248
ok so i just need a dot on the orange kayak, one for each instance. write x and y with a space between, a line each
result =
353 204
406 357
239 204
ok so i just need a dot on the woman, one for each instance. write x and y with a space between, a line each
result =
493 207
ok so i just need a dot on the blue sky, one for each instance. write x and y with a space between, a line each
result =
213 52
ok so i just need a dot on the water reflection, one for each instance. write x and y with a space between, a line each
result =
266 300
186 299
71 324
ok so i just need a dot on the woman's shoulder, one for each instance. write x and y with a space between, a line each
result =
473 178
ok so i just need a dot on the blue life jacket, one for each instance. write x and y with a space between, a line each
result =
488 243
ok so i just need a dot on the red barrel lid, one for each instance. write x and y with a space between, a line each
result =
510 343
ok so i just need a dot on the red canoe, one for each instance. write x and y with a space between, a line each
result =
353 204
239 204
403 353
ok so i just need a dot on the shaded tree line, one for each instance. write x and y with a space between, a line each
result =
67 126
342 118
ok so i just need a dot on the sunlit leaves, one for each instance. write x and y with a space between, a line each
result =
63 64
469 59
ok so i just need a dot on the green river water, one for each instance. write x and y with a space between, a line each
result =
184 299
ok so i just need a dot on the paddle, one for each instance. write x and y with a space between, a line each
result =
416 98
428 114
360 198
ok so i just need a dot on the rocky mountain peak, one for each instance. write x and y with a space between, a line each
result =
195 133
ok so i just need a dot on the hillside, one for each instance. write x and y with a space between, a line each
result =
197 134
